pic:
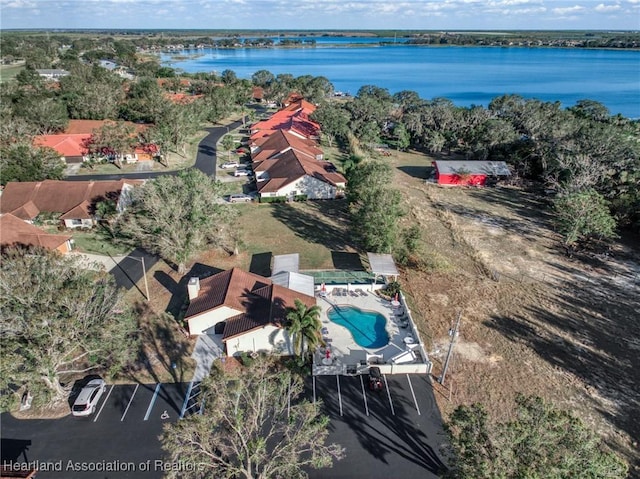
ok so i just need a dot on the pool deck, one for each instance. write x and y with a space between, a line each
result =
345 353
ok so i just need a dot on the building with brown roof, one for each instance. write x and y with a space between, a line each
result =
280 141
294 119
73 144
242 311
292 174
73 201
15 232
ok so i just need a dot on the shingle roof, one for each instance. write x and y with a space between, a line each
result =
77 135
66 145
256 299
89 126
27 199
14 232
296 121
281 140
289 167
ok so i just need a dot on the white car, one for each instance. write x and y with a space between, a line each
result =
229 164
242 172
86 402
240 198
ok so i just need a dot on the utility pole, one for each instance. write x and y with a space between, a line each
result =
454 334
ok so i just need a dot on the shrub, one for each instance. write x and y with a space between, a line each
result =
273 199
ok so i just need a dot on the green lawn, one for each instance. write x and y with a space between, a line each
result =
176 162
98 241
317 230
8 72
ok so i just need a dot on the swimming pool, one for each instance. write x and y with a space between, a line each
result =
368 328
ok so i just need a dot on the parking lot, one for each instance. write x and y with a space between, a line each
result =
391 433
122 434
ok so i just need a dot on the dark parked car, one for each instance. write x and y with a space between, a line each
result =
375 379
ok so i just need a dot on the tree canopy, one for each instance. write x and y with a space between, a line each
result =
178 216
23 162
58 319
540 442
374 205
255 425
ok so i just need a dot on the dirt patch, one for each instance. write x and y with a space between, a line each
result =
53 411
533 320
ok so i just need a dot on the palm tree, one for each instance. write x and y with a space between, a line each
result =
303 325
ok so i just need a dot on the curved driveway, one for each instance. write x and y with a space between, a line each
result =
205 160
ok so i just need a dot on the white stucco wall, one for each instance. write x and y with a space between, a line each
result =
269 338
307 185
79 223
201 323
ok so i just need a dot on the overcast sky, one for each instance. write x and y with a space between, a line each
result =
324 14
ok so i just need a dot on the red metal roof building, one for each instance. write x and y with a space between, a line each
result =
469 173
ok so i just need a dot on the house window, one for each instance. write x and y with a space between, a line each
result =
76 222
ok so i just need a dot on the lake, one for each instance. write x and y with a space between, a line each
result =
465 75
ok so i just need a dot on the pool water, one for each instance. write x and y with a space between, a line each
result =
368 328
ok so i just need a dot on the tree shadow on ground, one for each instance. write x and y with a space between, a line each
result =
590 334
261 264
320 222
178 289
128 272
422 172
385 437
347 261
532 214
164 348
206 150
14 450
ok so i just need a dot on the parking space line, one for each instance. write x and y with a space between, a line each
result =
105 402
153 401
186 400
364 395
389 394
413 394
339 396
130 401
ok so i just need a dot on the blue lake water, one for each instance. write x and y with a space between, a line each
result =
465 75
368 328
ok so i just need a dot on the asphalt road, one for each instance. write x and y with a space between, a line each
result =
128 271
395 433
205 159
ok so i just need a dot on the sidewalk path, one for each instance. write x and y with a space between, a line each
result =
204 353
